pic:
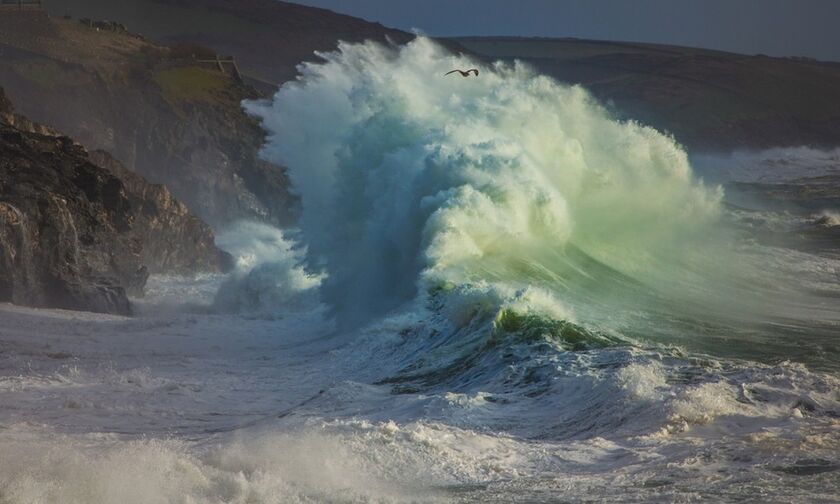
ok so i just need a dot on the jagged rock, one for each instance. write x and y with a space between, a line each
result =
65 238
174 239
80 236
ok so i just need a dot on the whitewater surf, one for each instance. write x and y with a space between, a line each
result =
498 292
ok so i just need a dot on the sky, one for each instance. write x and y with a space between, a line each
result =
775 27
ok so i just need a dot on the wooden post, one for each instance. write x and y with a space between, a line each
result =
236 72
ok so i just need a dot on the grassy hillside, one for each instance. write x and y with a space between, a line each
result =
267 37
190 84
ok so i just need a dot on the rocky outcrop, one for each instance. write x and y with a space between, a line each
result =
65 238
174 239
80 236
164 114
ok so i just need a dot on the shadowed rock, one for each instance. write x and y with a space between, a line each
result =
75 235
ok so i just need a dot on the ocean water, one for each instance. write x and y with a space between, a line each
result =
497 293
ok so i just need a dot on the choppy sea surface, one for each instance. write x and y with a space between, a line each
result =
497 293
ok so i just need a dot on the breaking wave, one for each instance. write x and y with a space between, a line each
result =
505 188
509 200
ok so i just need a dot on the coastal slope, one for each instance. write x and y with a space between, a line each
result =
159 110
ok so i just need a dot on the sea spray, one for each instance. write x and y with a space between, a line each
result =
411 180
268 273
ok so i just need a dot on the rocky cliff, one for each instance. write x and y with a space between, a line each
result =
162 112
174 240
81 232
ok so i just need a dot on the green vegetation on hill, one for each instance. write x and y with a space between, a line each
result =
268 38
191 84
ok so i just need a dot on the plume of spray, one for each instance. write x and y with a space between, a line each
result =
412 181
268 272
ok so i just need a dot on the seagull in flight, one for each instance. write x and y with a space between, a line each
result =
464 73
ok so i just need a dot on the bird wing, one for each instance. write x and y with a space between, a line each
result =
453 71
473 70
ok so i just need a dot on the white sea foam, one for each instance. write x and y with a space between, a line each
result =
269 273
827 218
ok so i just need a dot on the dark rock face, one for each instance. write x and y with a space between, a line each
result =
74 234
65 238
174 239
